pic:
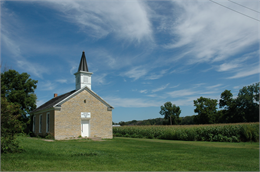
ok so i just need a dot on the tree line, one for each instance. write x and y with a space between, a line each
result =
243 108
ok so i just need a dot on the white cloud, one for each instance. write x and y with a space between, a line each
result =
227 66
246 72
143 91
160 88
100 79
47 85
211 32
72 70
181 93
213 86
132 102
11 43
62 80
157 76
33 68
136 72
175 86
126 19
238 62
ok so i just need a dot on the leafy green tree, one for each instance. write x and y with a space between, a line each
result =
176 114
187 120
248 102
171 112
10 125
206 109
19 89
229 112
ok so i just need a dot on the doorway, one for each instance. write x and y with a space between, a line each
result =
85 128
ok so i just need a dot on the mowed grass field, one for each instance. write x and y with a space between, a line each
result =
132 154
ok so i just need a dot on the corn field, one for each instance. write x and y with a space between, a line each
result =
238 132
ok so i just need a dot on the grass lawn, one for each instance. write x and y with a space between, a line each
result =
131 154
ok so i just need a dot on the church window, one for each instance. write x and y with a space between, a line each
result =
40 124
85 79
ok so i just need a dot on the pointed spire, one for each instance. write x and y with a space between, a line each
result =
83 66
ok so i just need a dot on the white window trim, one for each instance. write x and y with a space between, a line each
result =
40 123
47 124
33 123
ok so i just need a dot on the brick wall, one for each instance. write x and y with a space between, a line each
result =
68 119
44 114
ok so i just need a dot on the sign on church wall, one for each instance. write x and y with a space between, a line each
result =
85 115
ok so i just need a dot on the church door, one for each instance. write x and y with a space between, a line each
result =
85 128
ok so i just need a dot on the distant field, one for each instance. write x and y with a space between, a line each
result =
235 132
132 154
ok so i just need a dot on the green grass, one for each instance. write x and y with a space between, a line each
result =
132 154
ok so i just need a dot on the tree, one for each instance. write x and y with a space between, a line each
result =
245 108
229 105
10 125
171 112
248 102
206 109
187 120
19 89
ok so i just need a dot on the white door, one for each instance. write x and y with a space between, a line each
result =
85 128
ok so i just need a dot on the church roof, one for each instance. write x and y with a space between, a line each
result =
59 100
53 101
83 66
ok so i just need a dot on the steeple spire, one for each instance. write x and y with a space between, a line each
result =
83 66
83 76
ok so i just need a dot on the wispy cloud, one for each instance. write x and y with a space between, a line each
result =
12 45
108 17
47 85
143 91
181 93
132 102
175 86
213 86
100 79
15 53
246 72
62 80
207 38
136 72
160 88
157 76
227 66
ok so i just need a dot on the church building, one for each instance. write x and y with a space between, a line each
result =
80 112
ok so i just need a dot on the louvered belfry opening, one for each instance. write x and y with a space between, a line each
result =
83 66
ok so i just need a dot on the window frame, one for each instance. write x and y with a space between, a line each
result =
48 122
40 123
34 123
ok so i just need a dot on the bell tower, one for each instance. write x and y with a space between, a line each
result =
83 76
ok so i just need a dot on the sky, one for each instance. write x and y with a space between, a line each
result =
142 53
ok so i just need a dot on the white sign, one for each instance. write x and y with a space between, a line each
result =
85 114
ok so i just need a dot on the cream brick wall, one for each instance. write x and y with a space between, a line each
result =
44 114
68 119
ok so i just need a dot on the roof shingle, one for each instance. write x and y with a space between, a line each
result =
53 101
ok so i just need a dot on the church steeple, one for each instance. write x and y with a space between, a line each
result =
83 76
83 66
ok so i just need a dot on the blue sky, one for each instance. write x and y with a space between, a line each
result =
142 53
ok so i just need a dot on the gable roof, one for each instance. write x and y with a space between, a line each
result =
53 101
79 91
83 66
59 100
